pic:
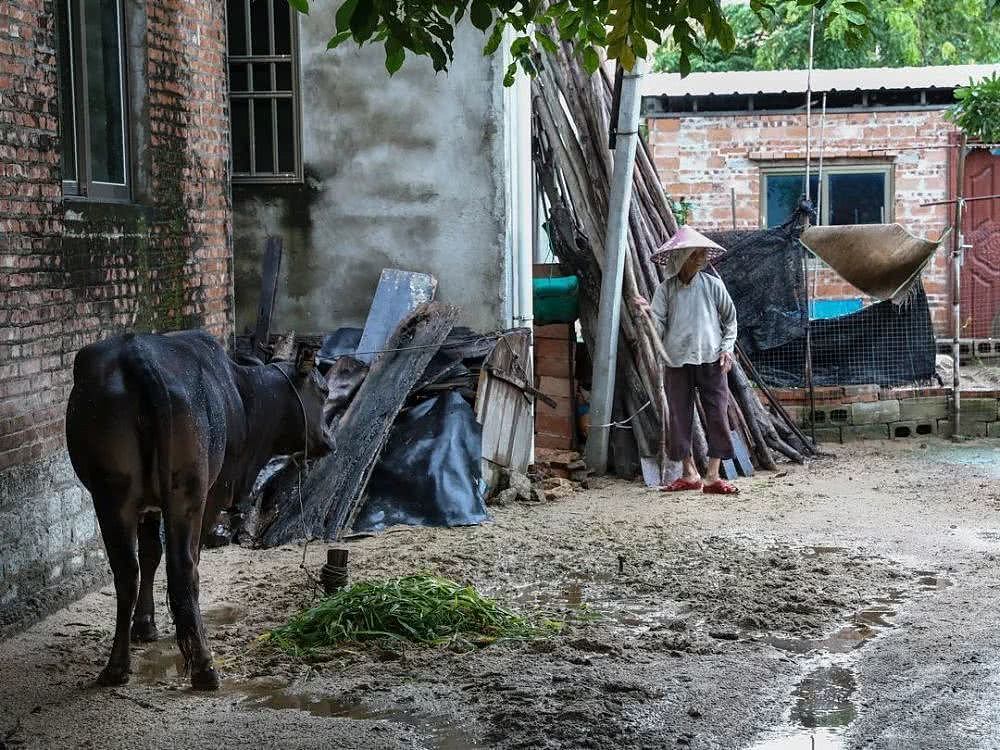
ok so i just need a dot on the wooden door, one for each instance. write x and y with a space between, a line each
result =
981 269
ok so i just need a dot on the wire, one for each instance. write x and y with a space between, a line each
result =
624 423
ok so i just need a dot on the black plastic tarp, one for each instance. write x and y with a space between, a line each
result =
429 473
884 343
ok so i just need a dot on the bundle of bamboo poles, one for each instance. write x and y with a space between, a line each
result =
573 164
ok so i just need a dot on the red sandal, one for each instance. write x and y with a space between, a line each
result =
720 487
680 485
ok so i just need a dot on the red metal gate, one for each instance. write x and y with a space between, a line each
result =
981 269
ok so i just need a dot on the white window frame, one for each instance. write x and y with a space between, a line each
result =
855 167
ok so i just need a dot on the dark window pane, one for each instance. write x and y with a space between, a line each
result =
857 198
286 136
283 76
282 28
263 136
67 110
262 77
104 91
236 15
239 77
260 32
241 135
784 191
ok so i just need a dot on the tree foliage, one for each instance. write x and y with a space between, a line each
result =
622 30
977 109
902 32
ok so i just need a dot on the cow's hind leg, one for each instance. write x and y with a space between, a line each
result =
150 551
119 534
183 530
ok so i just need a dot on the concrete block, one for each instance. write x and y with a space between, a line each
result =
944 427
84 528
828 435
874 412
923 409
72 501
865 432
993 429
979 409
912 429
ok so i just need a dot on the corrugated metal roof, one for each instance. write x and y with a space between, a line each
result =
790 81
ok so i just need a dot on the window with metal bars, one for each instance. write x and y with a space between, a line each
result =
264 91
93 111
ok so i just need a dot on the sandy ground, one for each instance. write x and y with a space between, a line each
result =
852 603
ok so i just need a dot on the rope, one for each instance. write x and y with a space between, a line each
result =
298 478
624 423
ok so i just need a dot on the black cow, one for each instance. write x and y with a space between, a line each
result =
168 423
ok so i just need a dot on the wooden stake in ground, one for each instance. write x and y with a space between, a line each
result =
331 495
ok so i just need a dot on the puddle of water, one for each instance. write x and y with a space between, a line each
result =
804 739
983 458
161 661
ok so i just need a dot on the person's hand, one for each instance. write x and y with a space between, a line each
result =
726 362
643 304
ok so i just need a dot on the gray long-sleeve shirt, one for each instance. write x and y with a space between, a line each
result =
696 321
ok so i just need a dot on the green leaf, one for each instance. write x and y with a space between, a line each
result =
558 9
394 55
493 43
627 57
508 79
481 15
302 6
344 13
546 42
591 60
338 39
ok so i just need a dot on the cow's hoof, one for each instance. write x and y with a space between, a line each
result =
207 679
144 631
112 676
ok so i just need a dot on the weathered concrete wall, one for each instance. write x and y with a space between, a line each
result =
403 172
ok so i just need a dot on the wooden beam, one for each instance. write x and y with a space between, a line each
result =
268 292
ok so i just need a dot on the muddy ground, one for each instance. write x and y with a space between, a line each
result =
852 603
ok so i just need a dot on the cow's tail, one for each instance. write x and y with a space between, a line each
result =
140 365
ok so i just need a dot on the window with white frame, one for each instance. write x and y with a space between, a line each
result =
93 114
263 86
849 193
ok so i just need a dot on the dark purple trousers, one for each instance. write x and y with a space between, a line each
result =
713 387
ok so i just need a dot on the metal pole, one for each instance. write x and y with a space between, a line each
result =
605 353
732 202
805 259
956 290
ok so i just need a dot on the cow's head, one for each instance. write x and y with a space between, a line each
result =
312 390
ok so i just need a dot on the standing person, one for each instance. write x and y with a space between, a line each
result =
696 320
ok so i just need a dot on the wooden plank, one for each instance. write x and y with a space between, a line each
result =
333 490
502 409
555 348
398 294
557 331
268 293
556 367
741 455
556 442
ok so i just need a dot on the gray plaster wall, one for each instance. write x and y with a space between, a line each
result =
404 172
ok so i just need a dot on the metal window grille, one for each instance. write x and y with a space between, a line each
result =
93 111
850 193
264 91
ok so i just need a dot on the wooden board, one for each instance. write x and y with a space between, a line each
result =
332 492
268 291
398 294
741 456
505 411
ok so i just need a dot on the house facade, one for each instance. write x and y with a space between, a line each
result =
114 217
358 171
735 145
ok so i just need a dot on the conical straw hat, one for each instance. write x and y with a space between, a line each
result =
687 238
882 260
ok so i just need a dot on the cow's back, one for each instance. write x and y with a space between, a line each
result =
141 399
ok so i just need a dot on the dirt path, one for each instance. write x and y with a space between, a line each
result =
852 601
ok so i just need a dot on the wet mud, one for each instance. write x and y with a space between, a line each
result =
846 605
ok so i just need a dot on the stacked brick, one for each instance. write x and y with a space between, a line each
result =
75 272
702 158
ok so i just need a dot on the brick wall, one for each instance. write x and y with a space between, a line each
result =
75 272
702 158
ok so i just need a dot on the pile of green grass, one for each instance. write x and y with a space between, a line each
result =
421 608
